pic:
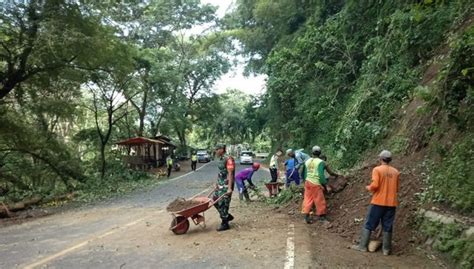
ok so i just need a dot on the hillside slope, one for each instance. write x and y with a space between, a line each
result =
435 158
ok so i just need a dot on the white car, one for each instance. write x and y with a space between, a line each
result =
203 156
246 157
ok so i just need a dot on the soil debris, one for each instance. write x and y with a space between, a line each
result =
336 184
180 204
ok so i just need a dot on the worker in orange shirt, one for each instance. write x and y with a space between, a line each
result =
384 188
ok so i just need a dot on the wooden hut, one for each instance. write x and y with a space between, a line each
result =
145 153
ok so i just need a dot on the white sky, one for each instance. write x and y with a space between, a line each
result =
235 79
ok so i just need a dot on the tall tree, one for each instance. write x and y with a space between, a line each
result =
157 30
107 97
202 66
33 40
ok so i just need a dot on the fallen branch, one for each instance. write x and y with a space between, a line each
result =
5 212
5 209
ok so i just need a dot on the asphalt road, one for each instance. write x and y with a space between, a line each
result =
132 232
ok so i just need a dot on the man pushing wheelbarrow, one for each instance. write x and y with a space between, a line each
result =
224 186
194 208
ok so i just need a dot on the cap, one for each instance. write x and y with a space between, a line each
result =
316 149
385 154
288 151
219 146
255 166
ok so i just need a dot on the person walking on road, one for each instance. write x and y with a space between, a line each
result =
224 186
274 165
169 164
292 166
313 174
241 177
384 188
194 160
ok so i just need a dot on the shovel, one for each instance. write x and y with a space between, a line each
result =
374 245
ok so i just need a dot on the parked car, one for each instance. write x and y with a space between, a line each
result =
203 156
246 157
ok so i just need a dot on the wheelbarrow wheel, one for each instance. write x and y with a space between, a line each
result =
180 224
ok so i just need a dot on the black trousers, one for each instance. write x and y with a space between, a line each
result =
193 165
274 174
170 167
377 214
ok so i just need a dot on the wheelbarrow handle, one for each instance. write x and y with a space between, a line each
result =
217 200
212 191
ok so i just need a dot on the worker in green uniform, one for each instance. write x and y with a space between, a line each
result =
169 164
224 186
194 159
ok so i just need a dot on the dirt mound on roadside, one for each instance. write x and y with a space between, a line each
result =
347 210
180 204
336 184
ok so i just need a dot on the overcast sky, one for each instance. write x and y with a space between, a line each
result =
235 78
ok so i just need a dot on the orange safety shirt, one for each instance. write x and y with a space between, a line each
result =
384 186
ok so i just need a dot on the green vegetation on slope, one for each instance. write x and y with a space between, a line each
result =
346 75
449 238
340 77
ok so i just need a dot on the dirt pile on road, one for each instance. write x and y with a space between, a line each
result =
180 204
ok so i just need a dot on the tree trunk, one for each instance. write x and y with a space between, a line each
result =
155 126
5 211
103 162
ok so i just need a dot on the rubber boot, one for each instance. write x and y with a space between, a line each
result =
307 219
230 218
247 197
387 243
364 241
241 196
224 226
323 218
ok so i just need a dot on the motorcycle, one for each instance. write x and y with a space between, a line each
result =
176 165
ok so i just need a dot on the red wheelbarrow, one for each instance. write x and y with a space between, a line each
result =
273 188
180 222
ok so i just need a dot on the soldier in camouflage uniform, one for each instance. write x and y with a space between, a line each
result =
224 186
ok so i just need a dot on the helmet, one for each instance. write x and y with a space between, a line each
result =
316 150
255 166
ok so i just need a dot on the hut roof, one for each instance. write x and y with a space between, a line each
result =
139 141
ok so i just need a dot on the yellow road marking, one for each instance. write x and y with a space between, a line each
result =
80 245
88 241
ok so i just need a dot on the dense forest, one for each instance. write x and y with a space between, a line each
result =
351 76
